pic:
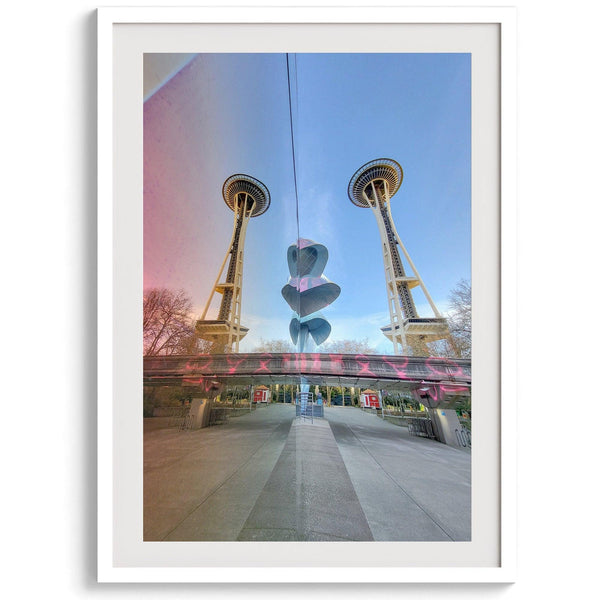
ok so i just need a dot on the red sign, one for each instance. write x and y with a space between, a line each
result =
371 400
260 395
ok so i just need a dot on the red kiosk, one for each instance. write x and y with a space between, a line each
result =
370 399
262 394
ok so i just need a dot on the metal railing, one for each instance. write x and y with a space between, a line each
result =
421 428
204 369
218 416
399 415
187 422
463 437
304 405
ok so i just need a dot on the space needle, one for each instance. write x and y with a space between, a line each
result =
247 197
372 186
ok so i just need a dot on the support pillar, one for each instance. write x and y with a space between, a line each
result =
445 424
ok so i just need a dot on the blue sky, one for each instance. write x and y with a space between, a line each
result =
228 113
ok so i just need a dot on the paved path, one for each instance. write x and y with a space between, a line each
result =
268 476
410 488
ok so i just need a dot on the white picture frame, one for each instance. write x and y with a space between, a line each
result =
119 237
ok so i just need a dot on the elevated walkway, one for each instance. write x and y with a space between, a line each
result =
389 372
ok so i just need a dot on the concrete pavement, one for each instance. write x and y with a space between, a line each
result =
269 476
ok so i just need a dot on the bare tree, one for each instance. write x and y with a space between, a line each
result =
168 323
459 323
460 317
193 344
277 346
348 347
337 347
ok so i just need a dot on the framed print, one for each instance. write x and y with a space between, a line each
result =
306 229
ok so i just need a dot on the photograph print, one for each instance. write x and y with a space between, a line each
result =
307 297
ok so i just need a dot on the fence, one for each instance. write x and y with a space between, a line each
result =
187 422
463 437
179 417
395 414
421 428
218 416
400 420
304 405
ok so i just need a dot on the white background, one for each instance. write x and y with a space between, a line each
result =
48 248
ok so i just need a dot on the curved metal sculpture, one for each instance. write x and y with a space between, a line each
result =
308 291
317 325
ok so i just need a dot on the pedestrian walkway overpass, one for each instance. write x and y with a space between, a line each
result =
443 377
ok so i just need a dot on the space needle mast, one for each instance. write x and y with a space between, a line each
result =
246 197
372 186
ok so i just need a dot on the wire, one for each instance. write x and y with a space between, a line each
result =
292 136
